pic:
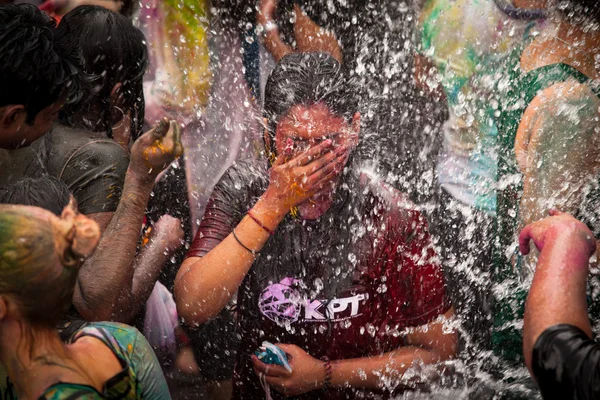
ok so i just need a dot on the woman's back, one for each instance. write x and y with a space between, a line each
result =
137 374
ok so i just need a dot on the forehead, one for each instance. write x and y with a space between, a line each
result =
309 121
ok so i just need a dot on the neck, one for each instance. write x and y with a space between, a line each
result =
35 362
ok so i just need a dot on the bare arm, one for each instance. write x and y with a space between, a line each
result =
166 238
103 288
309 36
105 277
204 285
566 246
428 344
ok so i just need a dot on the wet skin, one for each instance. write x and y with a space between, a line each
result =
304 128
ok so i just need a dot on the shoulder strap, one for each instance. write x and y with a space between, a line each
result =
106 338
70 391
542 78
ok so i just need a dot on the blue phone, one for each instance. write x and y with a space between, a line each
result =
271 354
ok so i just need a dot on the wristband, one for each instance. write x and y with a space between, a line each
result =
243 245
270 232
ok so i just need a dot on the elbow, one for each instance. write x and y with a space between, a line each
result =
91 310
191 314
190 308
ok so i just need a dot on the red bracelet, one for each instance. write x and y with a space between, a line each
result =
270 232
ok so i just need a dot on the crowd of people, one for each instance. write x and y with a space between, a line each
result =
182 181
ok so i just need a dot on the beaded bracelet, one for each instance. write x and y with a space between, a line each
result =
270 232
327 383
243 245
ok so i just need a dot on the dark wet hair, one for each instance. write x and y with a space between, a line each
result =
36 70
46 192
128 9
308 78
579 11
111 51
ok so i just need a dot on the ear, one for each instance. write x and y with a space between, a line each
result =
115 93
13 117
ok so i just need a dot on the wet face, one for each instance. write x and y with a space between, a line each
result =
304 127
16 132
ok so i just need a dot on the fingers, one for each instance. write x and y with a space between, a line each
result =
524 238
161 129
310 154
324 160
318 179
176 138
269 369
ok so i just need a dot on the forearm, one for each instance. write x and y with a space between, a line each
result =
103 290
148 266
372 372
558 292
205 285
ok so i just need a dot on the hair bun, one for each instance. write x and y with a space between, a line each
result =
76 237
87 234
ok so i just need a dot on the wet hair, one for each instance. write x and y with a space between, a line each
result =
308 78
128 8
48 193
111 51
39 260
579 12
36 69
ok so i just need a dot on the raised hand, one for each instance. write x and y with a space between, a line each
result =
294 181
156 149
559 226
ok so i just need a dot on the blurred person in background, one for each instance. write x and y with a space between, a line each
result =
548 150
38 75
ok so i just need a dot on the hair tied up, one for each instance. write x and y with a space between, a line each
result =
75 239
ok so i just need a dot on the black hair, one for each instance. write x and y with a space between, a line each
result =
579 11
46 192
308 78
36 70
519 13
111 51
128 8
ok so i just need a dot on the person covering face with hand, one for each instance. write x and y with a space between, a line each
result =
330 263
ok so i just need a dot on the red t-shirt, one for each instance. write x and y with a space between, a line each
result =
345 286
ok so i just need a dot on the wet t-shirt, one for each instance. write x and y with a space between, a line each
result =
344 286
92 165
